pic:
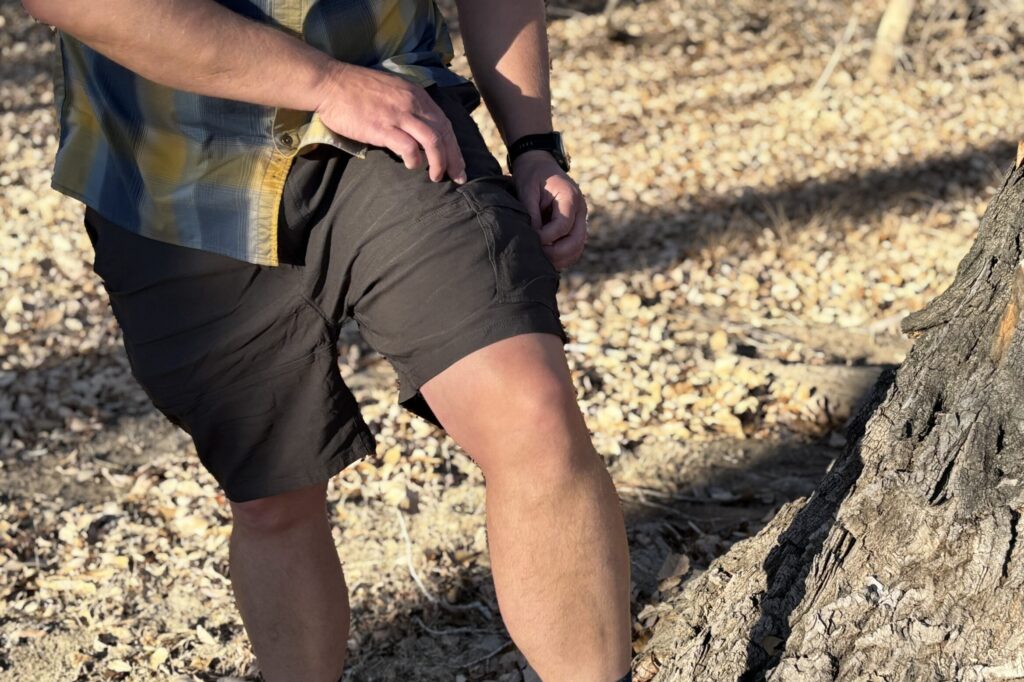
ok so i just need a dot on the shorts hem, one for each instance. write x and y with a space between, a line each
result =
363 445
529 317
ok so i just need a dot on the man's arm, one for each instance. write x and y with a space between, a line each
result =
507 50
202 47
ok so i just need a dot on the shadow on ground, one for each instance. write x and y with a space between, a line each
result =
656 239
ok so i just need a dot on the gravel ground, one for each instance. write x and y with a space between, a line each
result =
758 231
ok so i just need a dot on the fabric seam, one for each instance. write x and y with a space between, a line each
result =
247 381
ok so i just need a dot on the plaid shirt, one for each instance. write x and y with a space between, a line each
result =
206 172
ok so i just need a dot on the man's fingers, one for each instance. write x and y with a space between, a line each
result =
531 199
434 115
563 214
402 144
456 164
433 143
568 249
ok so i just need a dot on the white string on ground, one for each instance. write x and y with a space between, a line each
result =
837 54
408 559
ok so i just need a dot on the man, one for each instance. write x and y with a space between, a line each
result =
257 172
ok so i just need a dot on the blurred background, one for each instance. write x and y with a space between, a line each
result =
772 187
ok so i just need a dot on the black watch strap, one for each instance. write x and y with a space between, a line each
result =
549 142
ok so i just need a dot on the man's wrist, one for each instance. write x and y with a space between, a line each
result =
514 133
532 156
331 81
550 142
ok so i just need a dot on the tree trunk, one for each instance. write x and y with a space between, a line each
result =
889 40
905 563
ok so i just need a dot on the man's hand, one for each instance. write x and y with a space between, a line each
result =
557 208
385 110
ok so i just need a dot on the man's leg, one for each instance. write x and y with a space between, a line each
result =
554 523
289 586
230 352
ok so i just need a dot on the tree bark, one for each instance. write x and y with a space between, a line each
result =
906 562
889 39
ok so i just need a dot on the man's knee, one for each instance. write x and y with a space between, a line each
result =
512 406
546 409
281 513
543 434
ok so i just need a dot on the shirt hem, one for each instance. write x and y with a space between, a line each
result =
243 257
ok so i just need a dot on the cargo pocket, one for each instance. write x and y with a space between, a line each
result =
522 270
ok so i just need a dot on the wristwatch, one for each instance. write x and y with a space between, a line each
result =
549 142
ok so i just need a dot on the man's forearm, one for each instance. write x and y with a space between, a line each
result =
198 46
507 49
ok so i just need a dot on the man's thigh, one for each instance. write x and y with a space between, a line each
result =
432 271
233 354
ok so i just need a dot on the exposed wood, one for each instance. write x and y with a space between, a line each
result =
889 39
1010 319
905 563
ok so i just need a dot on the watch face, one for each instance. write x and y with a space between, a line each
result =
564 158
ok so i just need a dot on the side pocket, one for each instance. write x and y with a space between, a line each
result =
522 270
97 228
90 228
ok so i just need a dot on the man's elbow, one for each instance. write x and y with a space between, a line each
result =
45 11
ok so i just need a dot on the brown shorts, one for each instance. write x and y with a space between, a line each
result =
244 357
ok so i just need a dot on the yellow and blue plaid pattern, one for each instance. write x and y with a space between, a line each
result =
208 173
